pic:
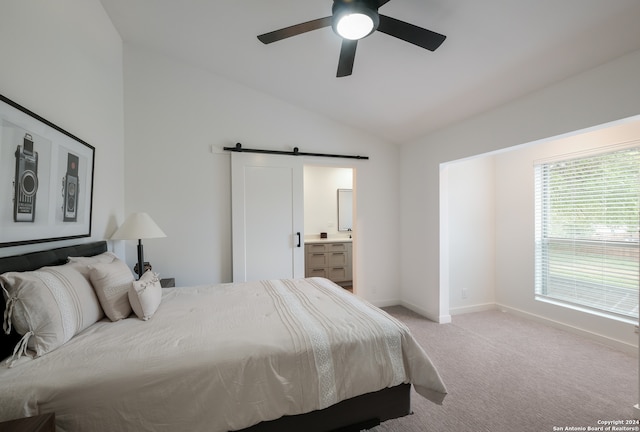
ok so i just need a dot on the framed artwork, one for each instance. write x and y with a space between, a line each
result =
46 179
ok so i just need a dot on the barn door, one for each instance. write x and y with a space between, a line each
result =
267 216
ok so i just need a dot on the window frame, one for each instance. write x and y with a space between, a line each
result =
545 243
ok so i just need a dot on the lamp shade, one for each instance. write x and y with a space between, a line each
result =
138 226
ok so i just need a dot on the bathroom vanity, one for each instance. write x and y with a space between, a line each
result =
329 258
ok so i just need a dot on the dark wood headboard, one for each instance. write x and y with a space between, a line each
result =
33 261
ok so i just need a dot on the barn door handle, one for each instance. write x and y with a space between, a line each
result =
298 234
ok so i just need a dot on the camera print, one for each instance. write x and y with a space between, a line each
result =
70 190
26 181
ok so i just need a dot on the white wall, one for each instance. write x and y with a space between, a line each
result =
597 96
175 113
469 214
63 61
321 186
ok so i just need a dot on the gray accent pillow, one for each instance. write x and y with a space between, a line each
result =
111 282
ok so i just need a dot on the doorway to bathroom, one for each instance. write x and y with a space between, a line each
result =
330 223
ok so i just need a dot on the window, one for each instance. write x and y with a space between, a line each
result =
587 222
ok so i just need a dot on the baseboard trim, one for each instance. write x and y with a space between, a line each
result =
384 303
440 319
445 319
605 340
474 308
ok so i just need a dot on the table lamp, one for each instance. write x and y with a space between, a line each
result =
138 226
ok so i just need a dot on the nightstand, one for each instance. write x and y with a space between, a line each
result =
168 283
39 423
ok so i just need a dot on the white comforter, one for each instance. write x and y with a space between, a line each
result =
220 358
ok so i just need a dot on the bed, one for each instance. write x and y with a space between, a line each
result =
281 355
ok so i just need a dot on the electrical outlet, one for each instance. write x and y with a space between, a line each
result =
464 293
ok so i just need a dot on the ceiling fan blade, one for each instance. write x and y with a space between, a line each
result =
410 33
347 57
294 30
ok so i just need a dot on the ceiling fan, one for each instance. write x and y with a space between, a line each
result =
353 20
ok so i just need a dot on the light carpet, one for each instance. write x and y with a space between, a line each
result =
505 373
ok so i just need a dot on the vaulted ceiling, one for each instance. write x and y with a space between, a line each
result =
495 51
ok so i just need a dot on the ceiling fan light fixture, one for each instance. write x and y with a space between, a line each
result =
354 26
354 21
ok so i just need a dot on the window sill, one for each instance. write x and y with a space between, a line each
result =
601 314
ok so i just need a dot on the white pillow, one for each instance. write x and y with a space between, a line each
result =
111 282
145 295
83 264
52 304
104 257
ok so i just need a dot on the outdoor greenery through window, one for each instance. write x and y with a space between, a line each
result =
587 223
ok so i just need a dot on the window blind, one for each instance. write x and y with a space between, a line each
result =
587 223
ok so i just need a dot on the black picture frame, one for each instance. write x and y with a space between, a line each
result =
46 179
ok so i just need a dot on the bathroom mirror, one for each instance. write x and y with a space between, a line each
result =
345 209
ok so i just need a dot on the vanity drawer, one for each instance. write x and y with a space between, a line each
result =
316 247
317 272
337 274
336 247
337 258
317 259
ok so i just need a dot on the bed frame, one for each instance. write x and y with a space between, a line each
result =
351 415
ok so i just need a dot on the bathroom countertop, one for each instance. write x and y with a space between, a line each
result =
329 240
